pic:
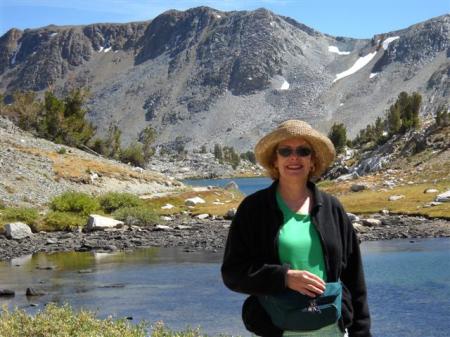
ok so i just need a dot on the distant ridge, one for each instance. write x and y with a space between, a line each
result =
204 76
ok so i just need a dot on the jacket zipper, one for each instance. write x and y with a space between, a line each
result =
322 241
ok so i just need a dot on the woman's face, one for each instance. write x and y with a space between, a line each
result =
294 166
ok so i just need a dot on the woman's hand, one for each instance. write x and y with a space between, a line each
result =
305 282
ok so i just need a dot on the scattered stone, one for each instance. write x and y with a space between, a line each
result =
443 197
51 241
45 267
431 190
360 228
17 230
353 217
371 222
33 292
194 201
166 218
7 293
167 206
230 214
349 176
183 227
231 186
85 271
395 197
99 222
218 203
389 183
358 187
162 228
202 216
93 177
384 211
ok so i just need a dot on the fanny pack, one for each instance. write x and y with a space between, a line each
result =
290 310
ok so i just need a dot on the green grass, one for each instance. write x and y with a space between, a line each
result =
63 321
54 321
140 216
62 221
413 203
76 202
29 216
114 200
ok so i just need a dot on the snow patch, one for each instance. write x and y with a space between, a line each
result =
285 85
388 41
372 75
272 23
334 49
359 64
107 49
53 34
218 16
13 59
101 49
341 104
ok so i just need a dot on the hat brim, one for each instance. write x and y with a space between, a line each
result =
323 148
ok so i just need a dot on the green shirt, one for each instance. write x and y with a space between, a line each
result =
299 243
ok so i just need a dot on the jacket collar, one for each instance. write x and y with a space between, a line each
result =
317 195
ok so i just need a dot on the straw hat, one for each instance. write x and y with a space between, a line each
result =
323 148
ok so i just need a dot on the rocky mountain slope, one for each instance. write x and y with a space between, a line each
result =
35 170
204 76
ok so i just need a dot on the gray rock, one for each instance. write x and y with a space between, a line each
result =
7 293
443 197
231 186
431 190
162 228
349 176
202 216
360 228
358 187
99 222
230 213
34 292
371 222
353 217
395 197
17 230
194 201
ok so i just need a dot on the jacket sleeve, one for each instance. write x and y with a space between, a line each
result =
352 276
243 269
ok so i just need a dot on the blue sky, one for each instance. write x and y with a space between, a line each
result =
353 18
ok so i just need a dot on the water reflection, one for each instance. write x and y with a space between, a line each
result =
408 286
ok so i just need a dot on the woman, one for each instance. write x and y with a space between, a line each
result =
291 237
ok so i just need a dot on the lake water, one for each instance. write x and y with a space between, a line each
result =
246 185
408 284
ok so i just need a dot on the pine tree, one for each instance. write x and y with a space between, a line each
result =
218 152
112 141
147 138
76 129
393 120
51 124
338 135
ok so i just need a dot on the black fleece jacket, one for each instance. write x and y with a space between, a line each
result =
251 264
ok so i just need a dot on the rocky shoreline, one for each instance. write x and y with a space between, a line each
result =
196 234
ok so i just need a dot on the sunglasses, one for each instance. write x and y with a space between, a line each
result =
300 151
